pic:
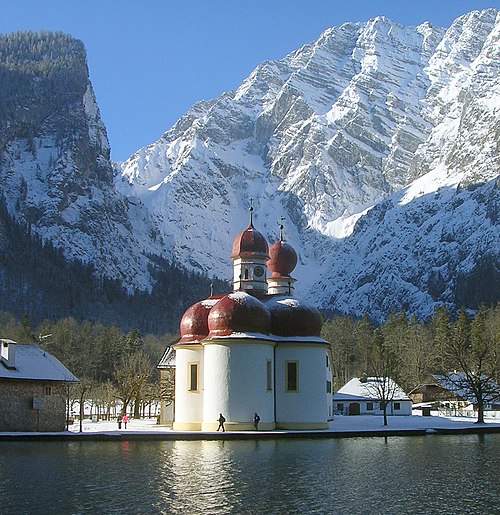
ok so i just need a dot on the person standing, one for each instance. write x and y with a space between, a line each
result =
125 420
221 421
256 420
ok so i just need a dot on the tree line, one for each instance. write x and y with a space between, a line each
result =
37 280
412 351
116 365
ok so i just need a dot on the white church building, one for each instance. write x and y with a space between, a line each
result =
255 350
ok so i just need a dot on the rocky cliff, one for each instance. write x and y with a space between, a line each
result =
378 144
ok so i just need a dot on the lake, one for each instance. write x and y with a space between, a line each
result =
423 474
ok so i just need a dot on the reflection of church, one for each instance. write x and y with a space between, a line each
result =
255 350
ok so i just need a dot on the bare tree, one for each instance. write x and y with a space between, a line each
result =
474 347
385 365
131 375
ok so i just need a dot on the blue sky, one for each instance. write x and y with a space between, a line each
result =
149 61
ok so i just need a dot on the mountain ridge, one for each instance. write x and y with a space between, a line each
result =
351 141
326 133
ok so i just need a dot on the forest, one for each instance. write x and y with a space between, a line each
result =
116 365
37 281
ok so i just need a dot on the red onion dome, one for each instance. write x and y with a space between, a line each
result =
238 312
293 317
283 259
249 243
194 323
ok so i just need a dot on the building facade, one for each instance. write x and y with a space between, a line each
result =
33 389
361 396
257 349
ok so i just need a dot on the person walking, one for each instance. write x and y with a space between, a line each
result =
256 420
125 420
221 421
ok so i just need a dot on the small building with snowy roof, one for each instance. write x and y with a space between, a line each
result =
33 389
360 396
255 350
461 394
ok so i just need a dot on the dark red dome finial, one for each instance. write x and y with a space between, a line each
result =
250 242
251 212
282 257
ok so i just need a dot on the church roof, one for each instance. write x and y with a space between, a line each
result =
282 259
293 317
238 312
253 313
248 243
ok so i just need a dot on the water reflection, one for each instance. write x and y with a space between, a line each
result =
431 474
211 474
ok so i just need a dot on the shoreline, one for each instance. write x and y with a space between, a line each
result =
370 426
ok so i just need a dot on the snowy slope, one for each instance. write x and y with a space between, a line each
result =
377 144
370 114
55 172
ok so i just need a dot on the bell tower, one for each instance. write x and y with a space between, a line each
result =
249 255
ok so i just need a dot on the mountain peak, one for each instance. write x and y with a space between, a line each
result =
377 145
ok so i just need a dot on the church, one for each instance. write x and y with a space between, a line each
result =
255 350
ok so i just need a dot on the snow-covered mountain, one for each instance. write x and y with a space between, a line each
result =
55 170
406 119
377 144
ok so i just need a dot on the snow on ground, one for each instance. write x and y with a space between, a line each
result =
340 424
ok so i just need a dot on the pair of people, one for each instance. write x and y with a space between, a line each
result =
123 420
221 420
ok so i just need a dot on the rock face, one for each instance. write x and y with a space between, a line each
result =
405 119
377 144
55 171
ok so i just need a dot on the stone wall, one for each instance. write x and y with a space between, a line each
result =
16 406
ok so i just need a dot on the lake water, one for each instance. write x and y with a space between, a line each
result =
411 475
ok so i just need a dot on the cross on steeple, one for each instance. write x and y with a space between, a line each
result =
280 224
251 211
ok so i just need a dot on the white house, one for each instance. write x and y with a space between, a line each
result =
360 396
257 349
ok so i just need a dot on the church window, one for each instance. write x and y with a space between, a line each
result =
193 377
269 375
246 273
292 376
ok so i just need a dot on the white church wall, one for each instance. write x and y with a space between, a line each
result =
188 402
306 408
329 383
236 384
